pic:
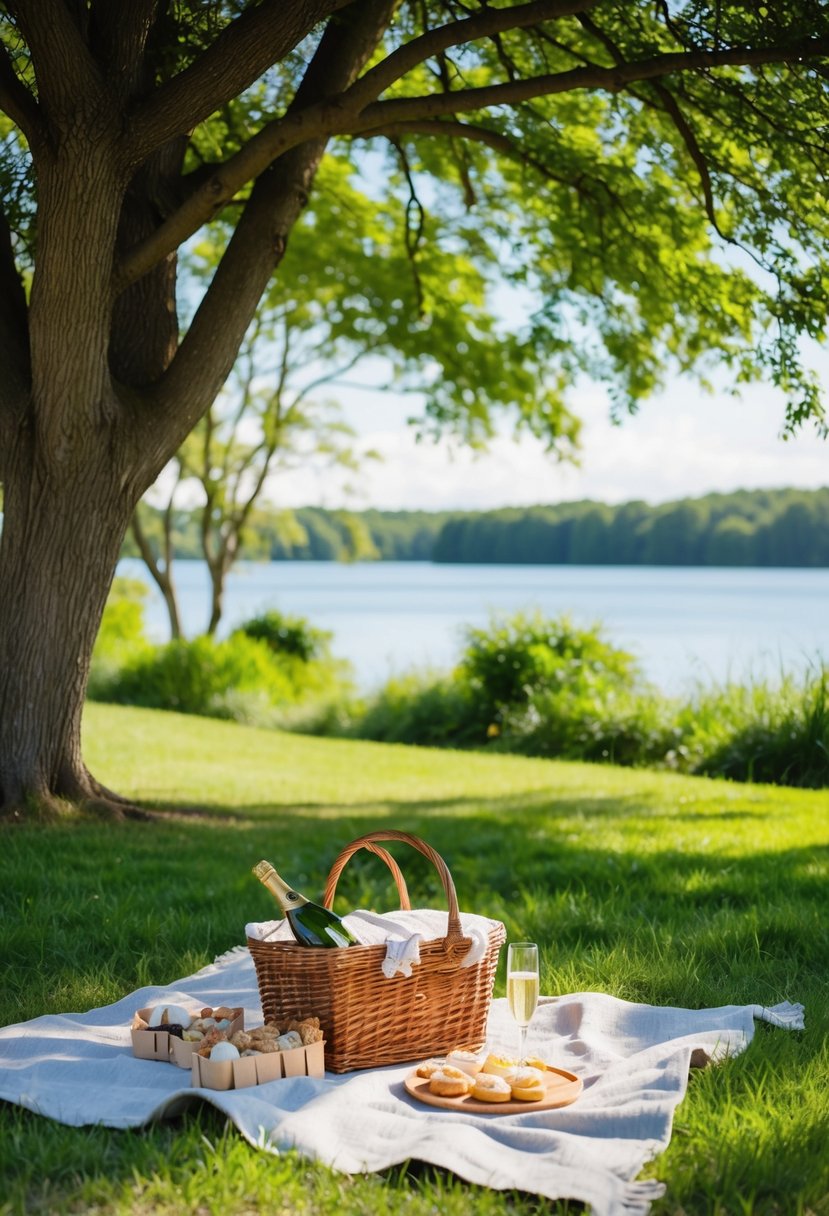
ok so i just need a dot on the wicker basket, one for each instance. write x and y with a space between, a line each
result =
370 1020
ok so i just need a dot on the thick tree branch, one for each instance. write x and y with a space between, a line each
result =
17 101
64 66
326 118
246 48
211 344
609 79
470 29
118 35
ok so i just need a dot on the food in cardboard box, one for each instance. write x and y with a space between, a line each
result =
258 1068
263 1040
169 1031
169 1018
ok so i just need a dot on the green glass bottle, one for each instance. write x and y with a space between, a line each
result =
311 924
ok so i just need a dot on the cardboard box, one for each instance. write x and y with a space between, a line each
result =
159 1045
258 1069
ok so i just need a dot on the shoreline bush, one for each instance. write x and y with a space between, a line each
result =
543 688
524 684
272 671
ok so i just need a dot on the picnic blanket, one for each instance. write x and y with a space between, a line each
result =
78 1068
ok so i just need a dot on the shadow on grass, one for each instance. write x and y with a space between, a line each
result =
610 807
682 924
688 918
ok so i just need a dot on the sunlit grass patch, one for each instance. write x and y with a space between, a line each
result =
654 887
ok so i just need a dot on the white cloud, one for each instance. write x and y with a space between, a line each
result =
681 445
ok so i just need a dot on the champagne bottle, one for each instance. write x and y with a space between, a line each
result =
311 924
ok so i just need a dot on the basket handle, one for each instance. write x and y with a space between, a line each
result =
455 942
384 855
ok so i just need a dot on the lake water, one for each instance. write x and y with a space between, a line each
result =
684 624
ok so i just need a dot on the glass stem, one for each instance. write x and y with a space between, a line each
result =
522 1039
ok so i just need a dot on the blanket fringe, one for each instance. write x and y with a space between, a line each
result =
790 1016
232 953
637 1197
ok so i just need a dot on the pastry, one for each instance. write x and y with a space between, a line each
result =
450 1082
428 1067
210 1040
536 1062
308 1030
499 1066
489 1088
263 1038
527 1084
224 1013
523 1074
467 1061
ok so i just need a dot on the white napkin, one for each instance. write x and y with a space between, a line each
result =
401 955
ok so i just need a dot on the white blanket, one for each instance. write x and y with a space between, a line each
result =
634 1060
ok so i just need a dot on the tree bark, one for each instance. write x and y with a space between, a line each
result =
49 618
109 399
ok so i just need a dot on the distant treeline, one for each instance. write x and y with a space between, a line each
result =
746 528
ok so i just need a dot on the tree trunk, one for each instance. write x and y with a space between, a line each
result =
219 565
58 551
94 396
161 576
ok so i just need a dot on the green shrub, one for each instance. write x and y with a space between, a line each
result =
513 662
292 635
243 678
122 636
523 684
433 711
123 621
236 679
545 688
761 733
619 727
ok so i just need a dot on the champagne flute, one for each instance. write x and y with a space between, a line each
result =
522 987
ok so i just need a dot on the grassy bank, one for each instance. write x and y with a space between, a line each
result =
655 887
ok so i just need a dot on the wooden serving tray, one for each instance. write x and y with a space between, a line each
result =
562 1088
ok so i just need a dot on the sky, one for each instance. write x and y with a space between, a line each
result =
681 444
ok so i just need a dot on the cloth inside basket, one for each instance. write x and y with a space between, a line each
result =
401 931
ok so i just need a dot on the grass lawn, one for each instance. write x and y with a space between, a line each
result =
653 887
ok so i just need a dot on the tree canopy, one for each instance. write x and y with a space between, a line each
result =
527 194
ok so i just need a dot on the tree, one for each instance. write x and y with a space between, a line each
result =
649 174
264 427
269 417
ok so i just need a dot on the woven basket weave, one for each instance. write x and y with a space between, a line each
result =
369 1020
